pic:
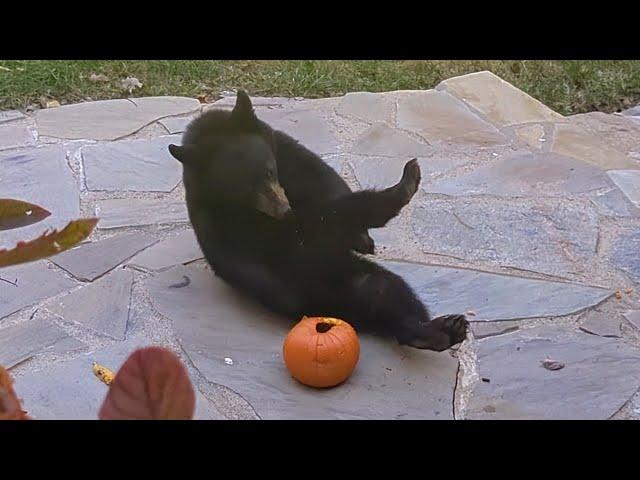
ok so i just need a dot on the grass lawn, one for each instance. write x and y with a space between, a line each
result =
566 86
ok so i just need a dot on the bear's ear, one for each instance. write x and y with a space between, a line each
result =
243 111
186 154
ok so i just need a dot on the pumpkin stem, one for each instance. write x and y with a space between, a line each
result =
323 327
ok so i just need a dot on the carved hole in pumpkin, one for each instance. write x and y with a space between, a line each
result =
322 327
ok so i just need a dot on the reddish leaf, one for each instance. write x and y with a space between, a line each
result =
151 385
48 244
10 408
16 213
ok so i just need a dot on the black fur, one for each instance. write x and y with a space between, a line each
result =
299 261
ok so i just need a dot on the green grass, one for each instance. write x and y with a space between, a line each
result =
566 86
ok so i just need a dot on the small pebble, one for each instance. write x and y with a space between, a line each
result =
552 364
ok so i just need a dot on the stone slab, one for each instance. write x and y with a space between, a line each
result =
382 140
632 112
382 172
367 106
491 296
205 410
102 306
306 126
553 238
574 141
67 345
15 135
176 124
599 377
69 390
490 329
179 249
628 181
533 175
214 322
11 115
135 165
625 253
532 135
24 340
23 176
602 324
499 101
438 116
614 203
90 260
124 212
109 119
633 316
34 282
620 132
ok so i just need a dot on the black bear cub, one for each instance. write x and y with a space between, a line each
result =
274 221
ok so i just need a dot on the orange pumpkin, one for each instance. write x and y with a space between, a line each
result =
321 352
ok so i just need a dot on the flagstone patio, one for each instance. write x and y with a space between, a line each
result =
527 220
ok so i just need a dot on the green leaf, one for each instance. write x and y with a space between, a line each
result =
49 244
16 213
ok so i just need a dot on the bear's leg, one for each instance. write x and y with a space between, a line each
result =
381 301
359 211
